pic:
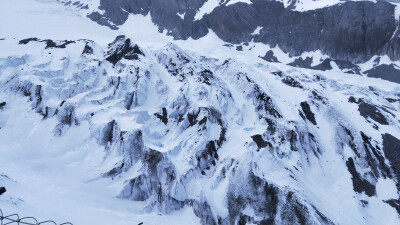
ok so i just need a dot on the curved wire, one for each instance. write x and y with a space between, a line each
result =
1 217
47 221
11 220
28 217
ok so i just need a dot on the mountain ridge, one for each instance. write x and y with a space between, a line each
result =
367 30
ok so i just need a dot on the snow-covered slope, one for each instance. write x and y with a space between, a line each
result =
176 130
47 19
304 5
147 129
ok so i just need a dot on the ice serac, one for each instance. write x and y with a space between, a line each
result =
351 31
236 142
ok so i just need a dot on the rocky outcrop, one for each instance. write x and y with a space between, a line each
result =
387 72
391 147
2 190
122 48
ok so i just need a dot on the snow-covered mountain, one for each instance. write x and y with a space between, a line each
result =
127 125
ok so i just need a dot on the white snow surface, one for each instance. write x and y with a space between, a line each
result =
210 5
305 5
181 15
257 31
231 2
47 19
207 8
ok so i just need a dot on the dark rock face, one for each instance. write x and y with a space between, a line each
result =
308 113
133 147
395 203
374 158
391 147
49 43
122 48
2 104
370 111
288 80
26 41
260 142
158 177
137 189
204 212
257 193
208 157
347 66
163 117
270 57
393 48
302 63
66 115
87 50
52 44
268 200
385 72
117 12
2 190
306 63
108 132
359 184
324 65
352 31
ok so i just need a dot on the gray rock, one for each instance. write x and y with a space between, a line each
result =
370 111
308 113
391 147
2 190
359 184
270 57
385 72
